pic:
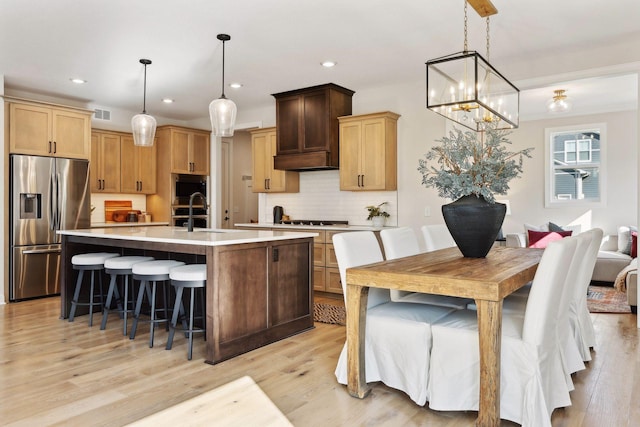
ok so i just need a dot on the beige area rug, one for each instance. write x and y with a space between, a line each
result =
606 299
329 313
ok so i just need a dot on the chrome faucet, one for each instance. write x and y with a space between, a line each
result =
193 196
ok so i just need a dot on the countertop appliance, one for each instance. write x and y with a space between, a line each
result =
278 211
47 194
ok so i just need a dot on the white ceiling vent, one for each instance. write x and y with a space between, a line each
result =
102 114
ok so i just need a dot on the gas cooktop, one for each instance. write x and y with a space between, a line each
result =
318 222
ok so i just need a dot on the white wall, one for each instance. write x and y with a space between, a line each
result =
3 207
418 129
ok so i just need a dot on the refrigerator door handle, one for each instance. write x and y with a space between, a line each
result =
58 209
52 203
42 251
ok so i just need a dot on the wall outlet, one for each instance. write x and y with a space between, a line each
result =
427 211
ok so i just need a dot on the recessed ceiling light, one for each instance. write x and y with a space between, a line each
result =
236 85
77 81
167 100
329 64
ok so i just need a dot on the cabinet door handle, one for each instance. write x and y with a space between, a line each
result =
49 146
140 185
55 147
103 187
99 185
363 181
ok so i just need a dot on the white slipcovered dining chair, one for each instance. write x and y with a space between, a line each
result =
397 335
436 237
402 242
532 381
579 317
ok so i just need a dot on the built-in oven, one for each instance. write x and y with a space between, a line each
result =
184 186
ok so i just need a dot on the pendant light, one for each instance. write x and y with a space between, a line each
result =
559 103
144 125
222 111
466 88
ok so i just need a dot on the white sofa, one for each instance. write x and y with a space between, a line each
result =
611 260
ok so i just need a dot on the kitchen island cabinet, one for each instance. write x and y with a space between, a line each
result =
258 282
326 275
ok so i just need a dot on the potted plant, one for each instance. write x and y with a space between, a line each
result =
470 168
377 215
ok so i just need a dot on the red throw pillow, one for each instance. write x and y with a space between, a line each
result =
634 244
540 239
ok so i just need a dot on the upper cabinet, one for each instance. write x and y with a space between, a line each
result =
48 130
368 152
307 127
266 179
189 149
138 166
105 162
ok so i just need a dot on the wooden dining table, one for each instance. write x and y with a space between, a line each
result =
444 272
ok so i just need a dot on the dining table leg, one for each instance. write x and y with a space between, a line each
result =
356 323
490 338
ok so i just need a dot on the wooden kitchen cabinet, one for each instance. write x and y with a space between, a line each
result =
368 152
266 179
138 166
189 149
48 130
307 126
105 162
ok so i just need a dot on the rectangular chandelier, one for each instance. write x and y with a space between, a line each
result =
465 88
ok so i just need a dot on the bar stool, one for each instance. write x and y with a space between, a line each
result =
145 272
192 276
120 266
93 262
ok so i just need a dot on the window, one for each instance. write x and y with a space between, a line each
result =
575 167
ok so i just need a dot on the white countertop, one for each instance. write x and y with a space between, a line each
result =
126 224
314 227
180 235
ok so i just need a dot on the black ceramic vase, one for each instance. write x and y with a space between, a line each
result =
474 224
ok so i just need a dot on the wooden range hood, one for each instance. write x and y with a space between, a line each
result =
307 127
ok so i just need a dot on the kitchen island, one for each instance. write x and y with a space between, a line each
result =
259 283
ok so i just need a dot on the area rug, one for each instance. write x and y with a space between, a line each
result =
605 299
329 313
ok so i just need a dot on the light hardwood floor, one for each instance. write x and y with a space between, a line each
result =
57 373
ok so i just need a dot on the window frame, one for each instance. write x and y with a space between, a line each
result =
550 201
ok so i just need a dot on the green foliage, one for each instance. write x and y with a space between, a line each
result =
472 163
377 211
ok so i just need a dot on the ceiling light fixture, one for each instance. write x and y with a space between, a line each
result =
77 81
144 125
329 64
559 103
167 100
235 85
222 111
466 88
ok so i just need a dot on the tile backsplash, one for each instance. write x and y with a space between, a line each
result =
320 198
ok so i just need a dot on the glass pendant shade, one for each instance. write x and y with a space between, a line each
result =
144 130
222 112
144 125
465 88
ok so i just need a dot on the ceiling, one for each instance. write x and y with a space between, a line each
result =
278 45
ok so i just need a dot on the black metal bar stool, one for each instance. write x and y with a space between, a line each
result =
192 276
93 262
151 272
120 266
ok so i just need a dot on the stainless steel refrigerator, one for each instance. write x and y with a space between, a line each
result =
47 194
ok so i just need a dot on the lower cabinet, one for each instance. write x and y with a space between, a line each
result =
326 275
